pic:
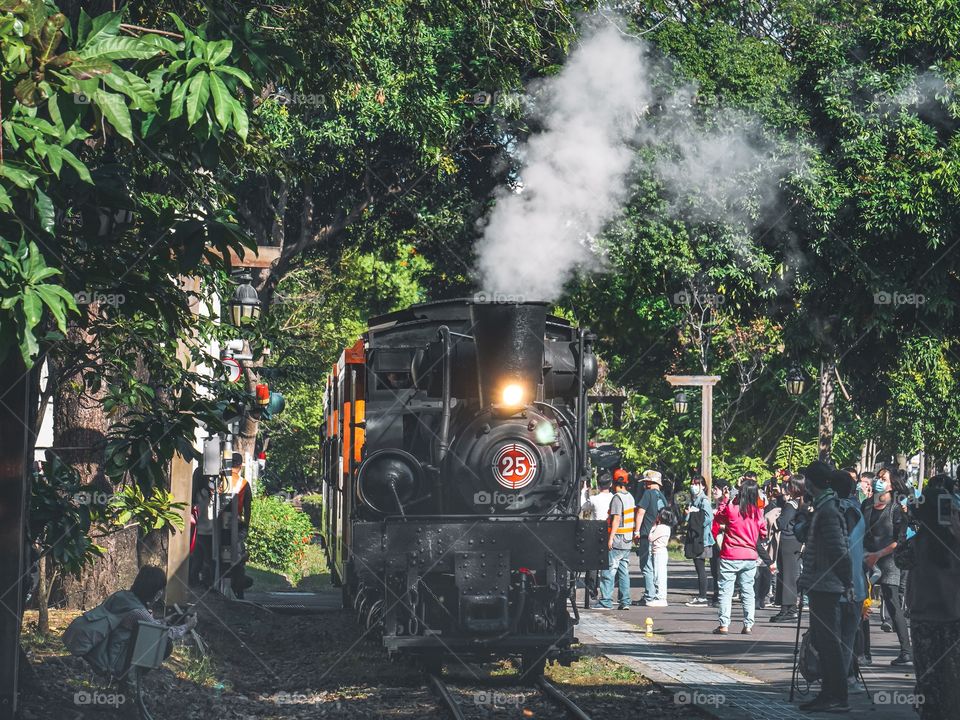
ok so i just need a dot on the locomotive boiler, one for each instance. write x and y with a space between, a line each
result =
453 454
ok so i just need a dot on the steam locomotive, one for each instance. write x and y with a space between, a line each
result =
454 450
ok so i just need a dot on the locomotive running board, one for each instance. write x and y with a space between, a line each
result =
429 545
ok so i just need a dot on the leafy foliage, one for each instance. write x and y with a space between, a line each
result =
278 533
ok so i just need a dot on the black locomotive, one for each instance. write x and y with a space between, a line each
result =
454 450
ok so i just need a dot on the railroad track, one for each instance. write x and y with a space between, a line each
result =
547 690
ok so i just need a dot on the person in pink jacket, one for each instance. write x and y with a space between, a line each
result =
743 525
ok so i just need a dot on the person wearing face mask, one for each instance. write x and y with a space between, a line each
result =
788 549
826 578
884 521
699 543
129 607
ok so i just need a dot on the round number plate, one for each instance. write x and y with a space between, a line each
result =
514 466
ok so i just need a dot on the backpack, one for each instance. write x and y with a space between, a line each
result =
90 630
91 635
809 661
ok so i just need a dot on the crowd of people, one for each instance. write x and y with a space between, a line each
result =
837 544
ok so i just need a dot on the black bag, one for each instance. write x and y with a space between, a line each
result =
693 543
809 661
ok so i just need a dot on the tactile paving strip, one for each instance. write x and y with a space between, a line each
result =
723 694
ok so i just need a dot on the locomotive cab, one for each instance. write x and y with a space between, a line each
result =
456 450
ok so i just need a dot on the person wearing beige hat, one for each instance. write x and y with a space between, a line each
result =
650 503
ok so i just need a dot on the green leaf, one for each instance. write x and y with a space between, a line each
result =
115 110
102 27
19 176
134 87
45 212
197 95
32 309
162 43
54 155
237 73
78 166
219 51
84 26
241 123
193 64
176 100
222 100
119 48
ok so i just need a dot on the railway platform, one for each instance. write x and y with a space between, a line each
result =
733 677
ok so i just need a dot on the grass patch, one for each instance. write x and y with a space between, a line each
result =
189 664
595 670
309 575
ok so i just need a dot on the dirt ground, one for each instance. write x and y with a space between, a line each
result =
262 665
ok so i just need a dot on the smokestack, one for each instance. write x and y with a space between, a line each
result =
509 342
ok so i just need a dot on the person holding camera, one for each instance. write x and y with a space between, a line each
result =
825 578
933 596
884 522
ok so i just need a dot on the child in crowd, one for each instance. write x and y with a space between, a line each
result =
659 537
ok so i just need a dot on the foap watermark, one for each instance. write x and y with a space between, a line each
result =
695 697
93 497
497 498
498 298
89 297
285 698
285 97
887 297
498 700
685 297
482 98
93 697
885 697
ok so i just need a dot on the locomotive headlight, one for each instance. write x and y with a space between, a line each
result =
512 395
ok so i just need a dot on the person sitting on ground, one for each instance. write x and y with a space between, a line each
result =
659 537
122 612
826 576
933 597
743 525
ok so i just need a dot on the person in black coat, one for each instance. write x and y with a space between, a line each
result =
788 550
826 576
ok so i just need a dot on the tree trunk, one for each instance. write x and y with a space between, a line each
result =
15 390
828 397
43 598
79 436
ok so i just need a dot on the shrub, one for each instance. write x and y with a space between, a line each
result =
312 505
278 534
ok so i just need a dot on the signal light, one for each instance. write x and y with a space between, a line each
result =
275 405
262 395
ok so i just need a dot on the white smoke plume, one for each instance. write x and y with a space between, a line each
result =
575 174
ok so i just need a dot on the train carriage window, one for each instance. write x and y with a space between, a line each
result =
391 369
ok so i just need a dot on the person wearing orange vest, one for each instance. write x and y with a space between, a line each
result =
621 524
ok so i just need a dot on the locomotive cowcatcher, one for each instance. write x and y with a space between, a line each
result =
453 454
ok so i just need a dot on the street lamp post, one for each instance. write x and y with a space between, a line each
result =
705 383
